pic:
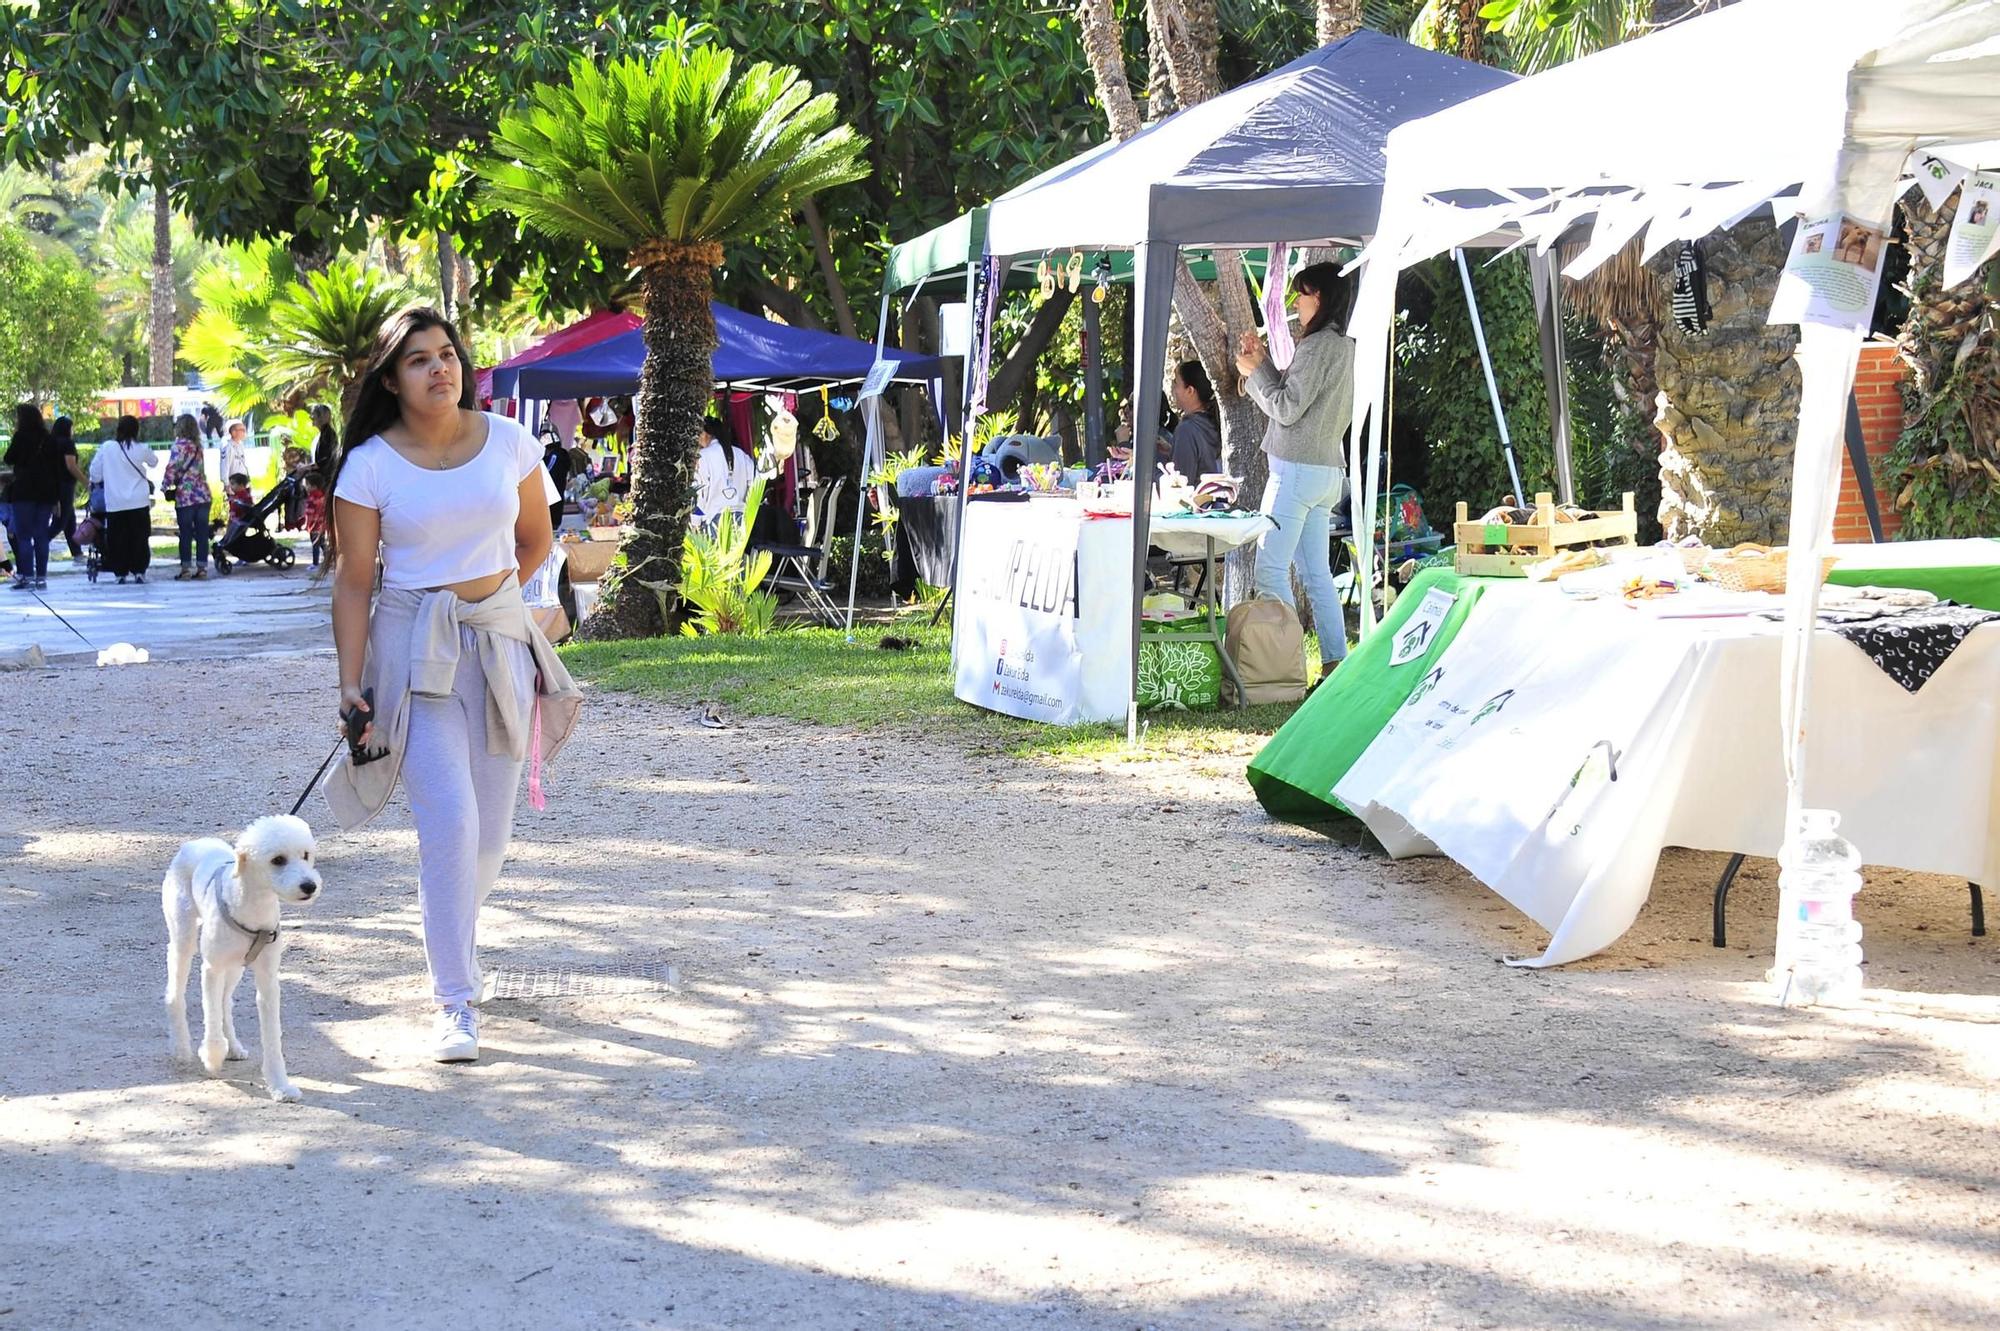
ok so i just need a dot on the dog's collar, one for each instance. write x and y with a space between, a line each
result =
259 938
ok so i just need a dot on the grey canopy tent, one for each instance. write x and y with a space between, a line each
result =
1295 156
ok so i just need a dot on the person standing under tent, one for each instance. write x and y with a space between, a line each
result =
465 687
124 467
1197 441
1309 403
723 474
556 458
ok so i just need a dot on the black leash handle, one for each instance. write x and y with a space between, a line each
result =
354 721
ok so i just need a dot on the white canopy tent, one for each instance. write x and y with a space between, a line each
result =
1295 156
1680 133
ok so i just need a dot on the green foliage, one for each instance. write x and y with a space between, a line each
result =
1947 486
1441 393
875 561
720 575
263 335
52 343
671 149
1541 34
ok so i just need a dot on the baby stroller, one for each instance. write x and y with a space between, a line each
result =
247 540
90 533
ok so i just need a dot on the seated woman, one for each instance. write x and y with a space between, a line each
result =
722 474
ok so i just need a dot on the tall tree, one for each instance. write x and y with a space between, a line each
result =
52 345
1334 19
160 323
662 161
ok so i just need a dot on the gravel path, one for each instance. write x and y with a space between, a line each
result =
962 1041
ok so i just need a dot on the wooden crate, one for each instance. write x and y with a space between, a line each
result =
1483 547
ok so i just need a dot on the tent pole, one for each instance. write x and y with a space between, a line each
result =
1492 389
870 448
1153 265
974 382
1555 368
1093 381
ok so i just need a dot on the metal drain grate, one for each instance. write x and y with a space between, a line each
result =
645 977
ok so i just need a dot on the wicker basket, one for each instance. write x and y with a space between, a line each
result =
1694 558
1754 568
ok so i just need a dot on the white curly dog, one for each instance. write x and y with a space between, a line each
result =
226 899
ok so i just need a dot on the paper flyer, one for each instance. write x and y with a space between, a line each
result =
879 375
1418 633
1975 231
1936 177
1832 275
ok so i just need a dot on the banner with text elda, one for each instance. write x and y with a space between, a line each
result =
1015 623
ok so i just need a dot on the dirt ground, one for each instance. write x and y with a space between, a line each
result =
962 1041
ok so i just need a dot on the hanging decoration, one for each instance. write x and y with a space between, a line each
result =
1045 277
825 428
1101 281
1074 271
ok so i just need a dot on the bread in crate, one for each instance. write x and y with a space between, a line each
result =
1504 541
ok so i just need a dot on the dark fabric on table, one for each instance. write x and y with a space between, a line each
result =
926 533
1910 645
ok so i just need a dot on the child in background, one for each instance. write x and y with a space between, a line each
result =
240 499
315 512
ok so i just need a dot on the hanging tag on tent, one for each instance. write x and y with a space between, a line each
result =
1074 271
1101 282
824 428
1936 177
1975 229
1046 276
1833 273
879 375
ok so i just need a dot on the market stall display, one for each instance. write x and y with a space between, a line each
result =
1504 541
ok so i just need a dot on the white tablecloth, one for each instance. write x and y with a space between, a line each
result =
1521 791
1043 624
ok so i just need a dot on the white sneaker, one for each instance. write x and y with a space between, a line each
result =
457 1036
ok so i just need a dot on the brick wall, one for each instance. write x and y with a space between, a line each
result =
1877 390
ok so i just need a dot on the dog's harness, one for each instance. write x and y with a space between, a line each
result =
259 938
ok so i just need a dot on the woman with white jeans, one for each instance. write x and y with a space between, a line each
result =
1309 403
466 689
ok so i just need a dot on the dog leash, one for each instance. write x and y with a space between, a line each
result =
353 722
65 623
306 794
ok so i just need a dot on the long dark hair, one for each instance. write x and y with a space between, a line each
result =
1323 280
1191 374
128 429
63 432
375 407
29 425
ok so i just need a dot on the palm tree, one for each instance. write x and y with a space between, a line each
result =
663 162
160 322
264 336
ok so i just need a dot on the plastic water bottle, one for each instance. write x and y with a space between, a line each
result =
1819 940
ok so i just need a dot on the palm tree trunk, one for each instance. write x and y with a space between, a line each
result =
1334 19
447 267
1950 449
675 386
1728 400
160 318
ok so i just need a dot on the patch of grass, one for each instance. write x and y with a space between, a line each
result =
815 675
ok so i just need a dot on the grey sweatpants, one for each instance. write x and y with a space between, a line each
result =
462 800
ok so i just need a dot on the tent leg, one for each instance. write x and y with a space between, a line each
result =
1864 474
1521 496
1722 887
1555 369
1978 912
1093 382
1153 265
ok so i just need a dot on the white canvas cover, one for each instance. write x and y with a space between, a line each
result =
1832 97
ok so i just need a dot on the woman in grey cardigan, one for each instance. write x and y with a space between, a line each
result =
1309 403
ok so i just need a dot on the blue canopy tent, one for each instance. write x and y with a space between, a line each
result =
750 353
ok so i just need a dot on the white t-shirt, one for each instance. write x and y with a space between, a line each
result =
722 478
123 478
441 527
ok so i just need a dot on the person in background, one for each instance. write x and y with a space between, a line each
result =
556 458
241 501
722 474
235 450
124 468
329 439
211 423
315 514
43 469
185 484
1197 439
64 434
1309 403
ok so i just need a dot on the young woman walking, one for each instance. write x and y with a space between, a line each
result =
1309 403
455 502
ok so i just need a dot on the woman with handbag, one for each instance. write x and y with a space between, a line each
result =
465 688
124 467
1309 403
186 487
